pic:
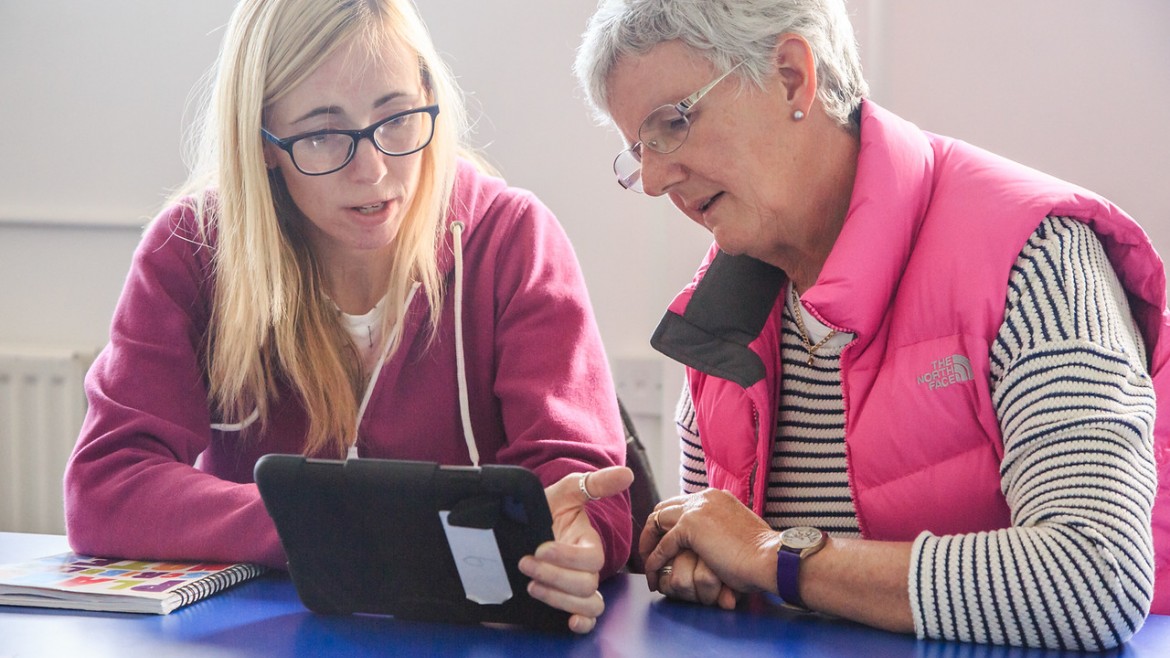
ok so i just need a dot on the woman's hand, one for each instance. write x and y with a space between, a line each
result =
688 578
708 538
564 571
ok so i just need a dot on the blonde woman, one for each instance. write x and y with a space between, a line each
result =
335 279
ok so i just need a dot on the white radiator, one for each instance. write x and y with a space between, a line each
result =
42 405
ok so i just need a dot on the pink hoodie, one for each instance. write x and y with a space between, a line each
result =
538 385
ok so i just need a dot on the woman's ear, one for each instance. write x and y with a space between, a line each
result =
797 69
271 151
270 155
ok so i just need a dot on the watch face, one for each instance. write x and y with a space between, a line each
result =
801 537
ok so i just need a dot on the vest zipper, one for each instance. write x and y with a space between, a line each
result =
751 501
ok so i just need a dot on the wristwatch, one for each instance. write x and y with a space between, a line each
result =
795 545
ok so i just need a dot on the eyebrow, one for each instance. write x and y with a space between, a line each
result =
336 110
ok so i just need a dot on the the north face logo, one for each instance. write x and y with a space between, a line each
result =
954 369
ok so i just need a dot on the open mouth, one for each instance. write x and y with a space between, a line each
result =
707 204
370 209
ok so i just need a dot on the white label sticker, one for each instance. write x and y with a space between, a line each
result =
477 557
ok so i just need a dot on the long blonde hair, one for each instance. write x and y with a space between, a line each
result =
271 320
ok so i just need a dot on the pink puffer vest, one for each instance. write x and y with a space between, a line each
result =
919 274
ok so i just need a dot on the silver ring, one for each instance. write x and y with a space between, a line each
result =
666 570
581 486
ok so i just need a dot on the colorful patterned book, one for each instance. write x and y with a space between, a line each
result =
75 581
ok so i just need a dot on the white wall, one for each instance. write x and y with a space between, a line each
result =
94 98
93 113
1077 88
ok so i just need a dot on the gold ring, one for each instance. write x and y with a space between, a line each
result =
657 523
584 490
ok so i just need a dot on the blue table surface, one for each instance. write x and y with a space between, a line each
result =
264 617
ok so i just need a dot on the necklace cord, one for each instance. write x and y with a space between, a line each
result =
804 337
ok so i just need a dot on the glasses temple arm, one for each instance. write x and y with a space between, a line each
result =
689 102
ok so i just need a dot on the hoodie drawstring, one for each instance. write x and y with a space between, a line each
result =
460 367
373 381
237 427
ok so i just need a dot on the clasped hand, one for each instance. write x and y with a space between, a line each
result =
709 548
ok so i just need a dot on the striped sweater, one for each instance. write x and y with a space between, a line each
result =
1076 410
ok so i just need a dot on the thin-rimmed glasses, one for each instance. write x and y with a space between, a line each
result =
663 131
325 151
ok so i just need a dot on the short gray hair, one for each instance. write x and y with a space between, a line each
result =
726 32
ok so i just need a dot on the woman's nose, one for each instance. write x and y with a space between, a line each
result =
659 172
369 164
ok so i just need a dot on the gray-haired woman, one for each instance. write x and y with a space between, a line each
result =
920 377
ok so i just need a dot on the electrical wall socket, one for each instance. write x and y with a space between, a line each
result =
639 385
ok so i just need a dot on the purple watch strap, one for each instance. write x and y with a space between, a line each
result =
787 572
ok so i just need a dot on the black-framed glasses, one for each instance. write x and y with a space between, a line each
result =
325 151
663 131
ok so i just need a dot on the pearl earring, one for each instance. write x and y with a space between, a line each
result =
797 115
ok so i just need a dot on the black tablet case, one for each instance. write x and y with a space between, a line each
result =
364 535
